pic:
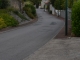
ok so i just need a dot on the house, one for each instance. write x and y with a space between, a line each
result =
43 2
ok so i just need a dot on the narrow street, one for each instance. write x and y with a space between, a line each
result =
20 42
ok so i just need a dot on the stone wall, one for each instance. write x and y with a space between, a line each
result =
14 3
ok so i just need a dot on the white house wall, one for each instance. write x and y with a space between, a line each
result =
43 3
52 9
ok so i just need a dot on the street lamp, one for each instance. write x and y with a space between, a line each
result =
66 18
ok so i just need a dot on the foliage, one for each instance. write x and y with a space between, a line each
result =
70 3
52 2
30 9
59 4
17 12
30 15
2 23
4 4
75 16
21 1
20 15
8 19
35 1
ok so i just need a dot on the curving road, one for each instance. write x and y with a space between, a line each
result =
18 43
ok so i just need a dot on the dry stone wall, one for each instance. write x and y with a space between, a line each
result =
14 3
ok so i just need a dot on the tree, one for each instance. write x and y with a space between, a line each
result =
70 3
4 4
59 4
52 2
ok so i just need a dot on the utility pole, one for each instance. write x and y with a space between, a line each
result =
66 18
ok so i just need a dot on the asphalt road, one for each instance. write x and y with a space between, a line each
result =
18 43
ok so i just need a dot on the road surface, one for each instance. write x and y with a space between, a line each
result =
18 43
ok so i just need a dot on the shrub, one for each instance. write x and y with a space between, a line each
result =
8 19
27 10
30 9
4 4
35 1
2 23
33 10
75 16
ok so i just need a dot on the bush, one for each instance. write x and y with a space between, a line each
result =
28 12
30 9
4 4
33 10
2 23
8 19
30 15
75 16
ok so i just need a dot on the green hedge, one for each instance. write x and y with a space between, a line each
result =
75 16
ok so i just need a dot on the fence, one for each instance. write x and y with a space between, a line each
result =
61 13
